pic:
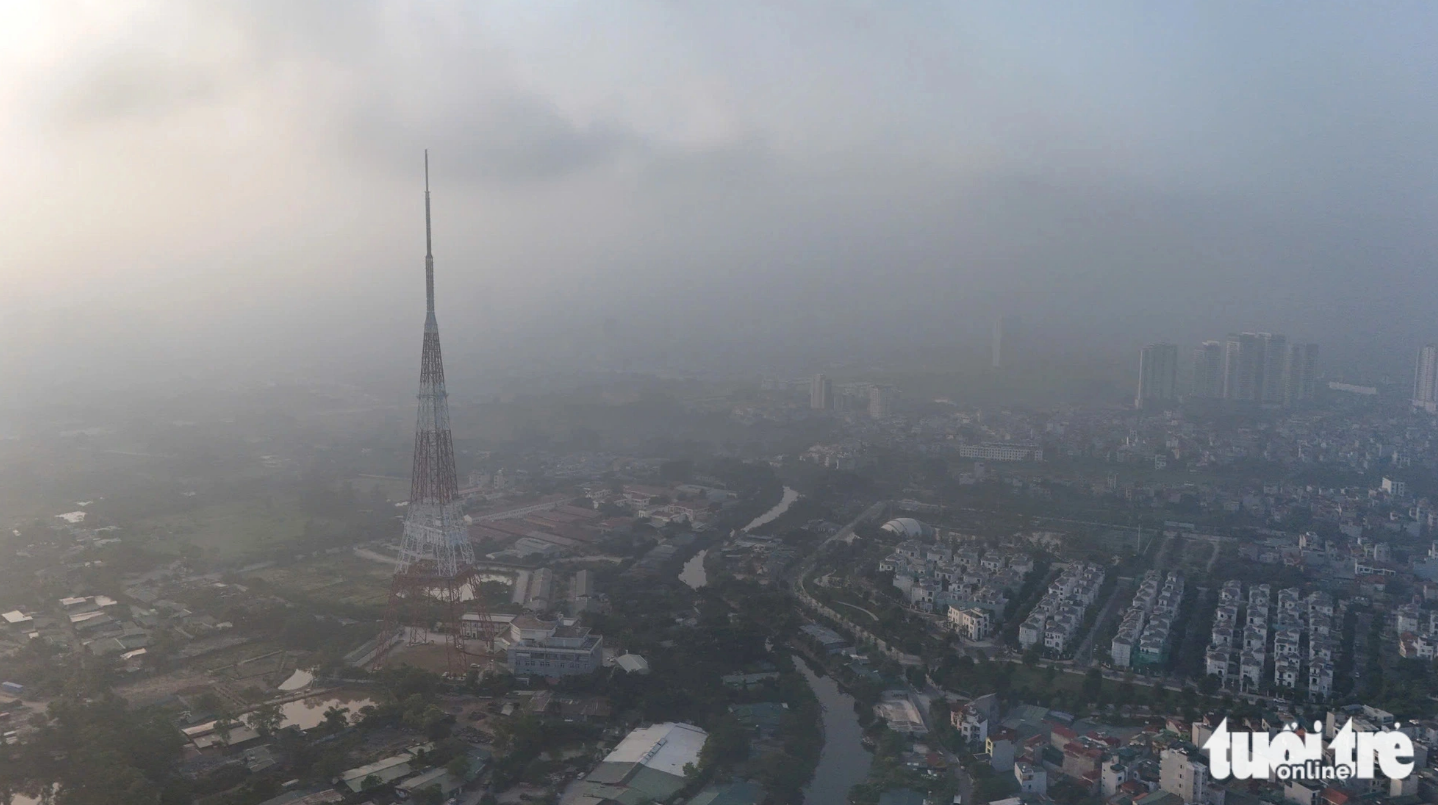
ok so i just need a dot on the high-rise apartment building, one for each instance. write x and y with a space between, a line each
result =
1425 379
1242 367
1300 373
881 401
821 393
1255 367
1157 376
1208 370
1271 382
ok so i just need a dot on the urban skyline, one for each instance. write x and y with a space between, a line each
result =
841 404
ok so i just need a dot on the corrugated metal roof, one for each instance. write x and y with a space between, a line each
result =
663 747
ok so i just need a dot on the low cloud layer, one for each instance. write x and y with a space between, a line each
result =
235 187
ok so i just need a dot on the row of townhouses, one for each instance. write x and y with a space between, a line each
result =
1145 635
1249 649
1058 615
939 577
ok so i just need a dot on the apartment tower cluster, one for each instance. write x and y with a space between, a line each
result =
1260 368
1255 367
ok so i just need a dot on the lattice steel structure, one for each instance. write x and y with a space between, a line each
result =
435 570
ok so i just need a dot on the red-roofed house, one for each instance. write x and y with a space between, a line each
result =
1060 737
1081 761
1333 796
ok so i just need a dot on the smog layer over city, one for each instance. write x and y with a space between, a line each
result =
742 403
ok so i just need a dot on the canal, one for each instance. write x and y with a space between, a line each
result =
843 762
773 514
693 573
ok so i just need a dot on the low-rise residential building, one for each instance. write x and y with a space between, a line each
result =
1187 778
937 578
1032 780
1144 636
1000 748
1056 618
973 623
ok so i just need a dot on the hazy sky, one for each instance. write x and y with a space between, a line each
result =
235 187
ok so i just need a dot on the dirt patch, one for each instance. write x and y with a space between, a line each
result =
156 689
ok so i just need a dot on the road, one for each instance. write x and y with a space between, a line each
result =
861 609
800 570
847 532
923 700
1121 592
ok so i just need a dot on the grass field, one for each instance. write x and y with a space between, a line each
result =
227 530
340 578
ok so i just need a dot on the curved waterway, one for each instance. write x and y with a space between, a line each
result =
843 762
773 514
693 573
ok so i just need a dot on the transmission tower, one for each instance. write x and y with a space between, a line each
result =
435 583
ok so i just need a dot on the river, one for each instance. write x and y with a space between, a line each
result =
693 573
773 514
843 762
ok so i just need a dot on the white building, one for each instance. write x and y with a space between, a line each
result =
1114 775
1187 779
551 648
973 623
1031 779
972 723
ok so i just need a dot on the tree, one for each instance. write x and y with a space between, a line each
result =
1209 685
266 719
370 782
458 766
727 745
97 752
336 718
224 725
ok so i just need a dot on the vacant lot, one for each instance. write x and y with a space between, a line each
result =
227 530
341 578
